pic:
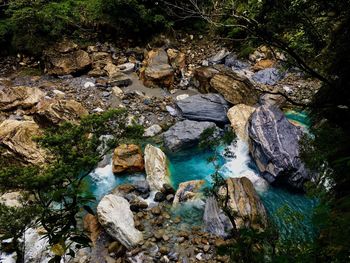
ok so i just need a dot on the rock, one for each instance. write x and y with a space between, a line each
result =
17 138
272 100
89 84
231 61
156 211
118 92
126 67
52 111
269 76
115 216
137 204
11 199
141 186
159 197
176 58
152 131
235 88
92 226
182 97
156 165
188 191
14 97
239 116
58 63
263 64
185 134
156 71
116 77
127 158
205 107
274 145
168 189
203 75
172 111
219 57
244 203
215 220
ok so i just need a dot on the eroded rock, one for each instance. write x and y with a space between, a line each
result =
239 116
188 191
14 97
127 158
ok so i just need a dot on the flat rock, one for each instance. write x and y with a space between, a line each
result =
204 107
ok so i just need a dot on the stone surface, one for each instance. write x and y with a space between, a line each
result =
156 71
152 130
268 76
17 139
14 97
205 107
92 227
185 134
235 88
156 166
188 191
51 111
263 64
177 59
274 144
11 199
127 158
239 116
215 220
203 75
244 203
219 57
115 216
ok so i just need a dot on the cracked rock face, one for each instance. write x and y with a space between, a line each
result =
274 144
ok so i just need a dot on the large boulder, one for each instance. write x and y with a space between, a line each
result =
53 112
17 139
268 76
185 134
14 97
189 191
215 220
116 218
235 87
73 61
156 71
203 75
204 107
156 166
244 204
127 158
239 116
116 76
274 144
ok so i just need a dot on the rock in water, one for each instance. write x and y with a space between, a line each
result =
127 158
17 138
215 220
52 112
274 144
25 97
244 203
157 71
204 107
116 218
239 116
188 191
156 165
185 134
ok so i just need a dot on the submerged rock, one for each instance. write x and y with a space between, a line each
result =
116 218
244 203
269 76
204 107
188 191
17 138
274 144
24 97
156 165
185 134
239 116
215 220
127 158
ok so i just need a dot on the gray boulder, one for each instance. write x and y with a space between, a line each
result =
269 76
274 144
204 107
185 134
215 220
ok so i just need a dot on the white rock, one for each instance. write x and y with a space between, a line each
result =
199 256
11 199
182 96
152 131
58 93
115 216
171 110
239 116
97 110
89 84
126 67
118 92
156 166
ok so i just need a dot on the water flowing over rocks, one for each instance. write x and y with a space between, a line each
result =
52 112
185 134
204 107
24 97
188 191
243 203
215 220
115 216
239 116
17 139
274 144
156 166
127 158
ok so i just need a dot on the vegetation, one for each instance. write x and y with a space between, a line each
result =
58 193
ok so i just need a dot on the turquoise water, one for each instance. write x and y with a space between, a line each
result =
298 117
